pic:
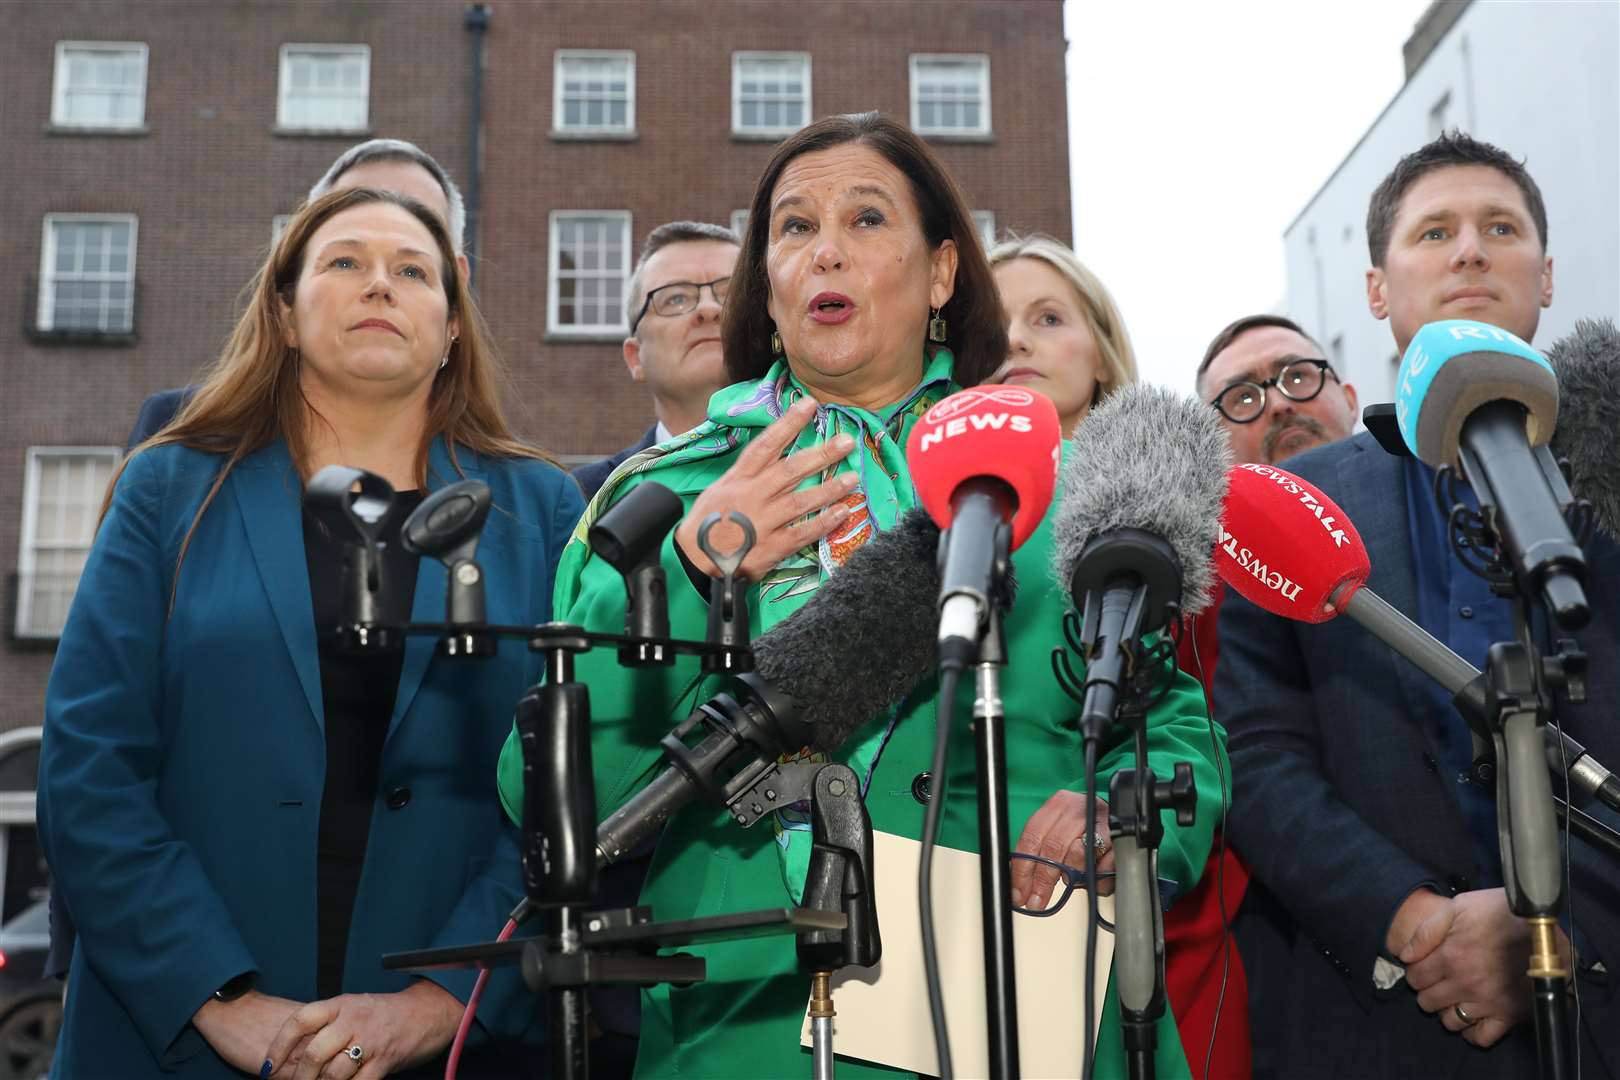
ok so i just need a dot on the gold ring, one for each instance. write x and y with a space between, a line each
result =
1467 1021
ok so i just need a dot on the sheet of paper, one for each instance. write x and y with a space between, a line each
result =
882 1013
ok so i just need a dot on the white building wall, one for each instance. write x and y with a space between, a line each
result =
1539 80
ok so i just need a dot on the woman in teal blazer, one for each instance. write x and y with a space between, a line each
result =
186 778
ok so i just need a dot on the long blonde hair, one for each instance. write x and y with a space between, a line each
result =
1101 314
251 395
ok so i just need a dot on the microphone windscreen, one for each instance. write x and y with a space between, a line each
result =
865 638
1286 547
1004 432
1587 363
1151 459
1452 368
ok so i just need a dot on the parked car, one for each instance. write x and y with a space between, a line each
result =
30 1004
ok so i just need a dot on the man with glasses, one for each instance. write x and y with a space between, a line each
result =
1276 393
673 305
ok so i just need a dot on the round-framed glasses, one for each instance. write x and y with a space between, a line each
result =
680 297
1298 380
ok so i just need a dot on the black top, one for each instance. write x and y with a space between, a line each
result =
357 693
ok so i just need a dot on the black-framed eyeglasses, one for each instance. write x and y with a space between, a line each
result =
1075 878
679 297
1300 379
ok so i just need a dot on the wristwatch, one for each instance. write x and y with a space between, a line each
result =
235 988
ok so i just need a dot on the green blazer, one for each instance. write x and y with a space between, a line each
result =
744 1020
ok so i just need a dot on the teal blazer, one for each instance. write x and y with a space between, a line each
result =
184 759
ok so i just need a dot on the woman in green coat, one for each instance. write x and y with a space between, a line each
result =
859 245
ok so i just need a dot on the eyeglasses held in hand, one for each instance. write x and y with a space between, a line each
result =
680 297
1298 380
1075 878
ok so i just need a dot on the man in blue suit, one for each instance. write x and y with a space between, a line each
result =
1351 802
673 307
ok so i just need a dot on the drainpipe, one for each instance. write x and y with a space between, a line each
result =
477 24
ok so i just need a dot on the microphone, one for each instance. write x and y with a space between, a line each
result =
1133 532
1475 397
984 462
855 648
1288 549
1587 363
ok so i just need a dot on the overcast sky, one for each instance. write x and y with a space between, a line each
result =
1197 132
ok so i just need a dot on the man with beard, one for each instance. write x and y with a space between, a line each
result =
1277 394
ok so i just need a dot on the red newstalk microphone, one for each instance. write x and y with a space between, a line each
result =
1289 549
984 462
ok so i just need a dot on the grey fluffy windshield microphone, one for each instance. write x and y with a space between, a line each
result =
1587 363
1134 530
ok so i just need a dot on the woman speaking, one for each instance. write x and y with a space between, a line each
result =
861 298
241 817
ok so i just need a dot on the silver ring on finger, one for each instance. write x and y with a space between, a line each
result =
356 1053
1096 840
1467 1021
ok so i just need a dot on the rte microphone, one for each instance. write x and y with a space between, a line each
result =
984 462
1289 549
1474 396
854 649
1133 531
1587 363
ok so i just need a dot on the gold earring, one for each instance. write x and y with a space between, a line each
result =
776 343
936 327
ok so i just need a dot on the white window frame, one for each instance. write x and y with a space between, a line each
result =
45 310
985 127
26 542
737 128
620 326
59 87
558 127
364 52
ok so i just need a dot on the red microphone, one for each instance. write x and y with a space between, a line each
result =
984 462
1287 547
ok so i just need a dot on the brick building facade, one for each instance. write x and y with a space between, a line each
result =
149 144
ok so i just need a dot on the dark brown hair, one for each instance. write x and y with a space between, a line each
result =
1451 148
251 395
1237 328
977 326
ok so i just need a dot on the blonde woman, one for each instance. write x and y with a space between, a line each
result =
241 817
1065 338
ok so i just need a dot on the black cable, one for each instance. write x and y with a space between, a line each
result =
1089 1044
944 706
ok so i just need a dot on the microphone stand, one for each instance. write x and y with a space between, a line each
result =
1135 799
1527 830
1130 582
1517 704
995 847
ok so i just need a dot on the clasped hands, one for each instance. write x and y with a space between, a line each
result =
275 1037
1467 958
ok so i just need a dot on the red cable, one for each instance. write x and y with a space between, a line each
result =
467 1015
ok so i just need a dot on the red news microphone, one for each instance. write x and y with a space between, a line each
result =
984 462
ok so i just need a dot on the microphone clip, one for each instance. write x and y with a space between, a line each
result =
354 504
728 599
